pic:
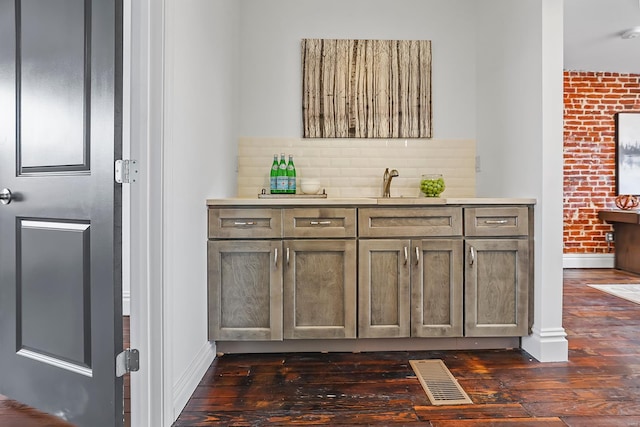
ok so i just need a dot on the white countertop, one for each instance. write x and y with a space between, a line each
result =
363 201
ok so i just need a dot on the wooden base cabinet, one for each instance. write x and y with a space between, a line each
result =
295 280
323 272
320 289
260 291
410 288
437 289
498 271
245 290
384 288
496 288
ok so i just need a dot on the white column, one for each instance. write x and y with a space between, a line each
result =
548 342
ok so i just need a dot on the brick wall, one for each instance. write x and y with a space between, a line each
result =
590 101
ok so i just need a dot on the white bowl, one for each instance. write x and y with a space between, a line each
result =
310 186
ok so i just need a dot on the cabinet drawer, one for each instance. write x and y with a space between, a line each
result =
245 223
496 221
320 222
414 222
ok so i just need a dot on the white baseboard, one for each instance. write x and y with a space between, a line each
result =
588 261
189 380
550 345
126 303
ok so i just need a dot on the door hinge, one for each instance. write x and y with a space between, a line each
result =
127 361
126 171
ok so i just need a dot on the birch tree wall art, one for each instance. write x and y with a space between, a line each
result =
366 88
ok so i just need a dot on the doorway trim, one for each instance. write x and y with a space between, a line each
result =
151 402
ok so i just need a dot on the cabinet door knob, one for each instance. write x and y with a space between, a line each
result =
406 255
472 256
417 255
275 257
287 257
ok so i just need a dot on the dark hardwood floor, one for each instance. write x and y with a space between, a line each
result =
598 386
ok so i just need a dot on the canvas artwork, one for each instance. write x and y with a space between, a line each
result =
628 153
366 88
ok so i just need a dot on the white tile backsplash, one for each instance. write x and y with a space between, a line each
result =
354 167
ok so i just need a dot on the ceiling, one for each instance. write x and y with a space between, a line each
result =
592 35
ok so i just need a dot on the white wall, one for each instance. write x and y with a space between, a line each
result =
270 72
233 70
201 118
271 91
509 83
497 78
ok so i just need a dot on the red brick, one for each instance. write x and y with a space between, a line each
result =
591 100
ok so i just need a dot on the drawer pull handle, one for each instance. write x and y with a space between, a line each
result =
320 222
472 256
275 257
417 255
287 257
496 221
406 255
244 223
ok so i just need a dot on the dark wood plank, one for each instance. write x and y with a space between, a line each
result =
474 412
609 421
598 386
285 417
501 422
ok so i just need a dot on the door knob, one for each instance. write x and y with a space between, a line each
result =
5 196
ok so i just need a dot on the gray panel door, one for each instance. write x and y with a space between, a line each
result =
60 278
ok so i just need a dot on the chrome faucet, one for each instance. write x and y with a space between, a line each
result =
386 181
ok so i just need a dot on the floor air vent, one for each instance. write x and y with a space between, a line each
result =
440 385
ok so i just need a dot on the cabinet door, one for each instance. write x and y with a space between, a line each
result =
245 290
384 274
436 288
496 287
319 289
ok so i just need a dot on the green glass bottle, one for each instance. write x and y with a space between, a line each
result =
282 181
291 175
273 178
